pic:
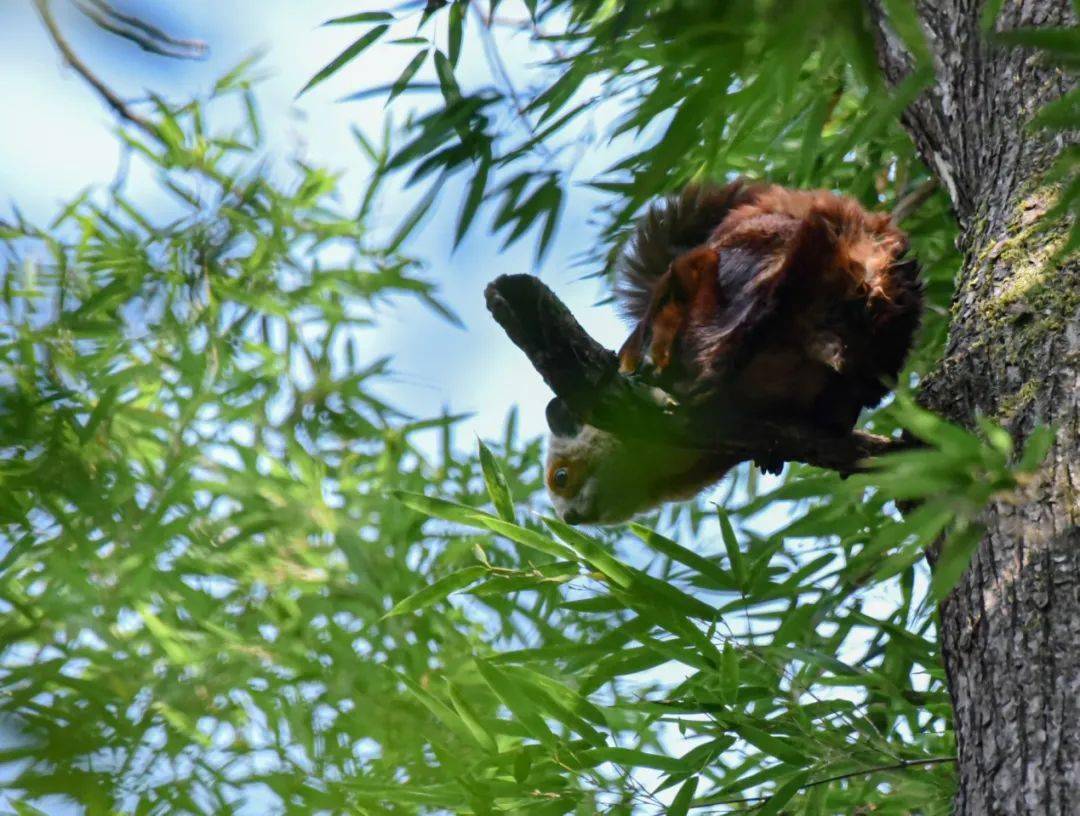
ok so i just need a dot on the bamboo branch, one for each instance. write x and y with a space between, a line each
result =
756 802
585 376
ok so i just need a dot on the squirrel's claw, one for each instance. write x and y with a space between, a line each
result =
631 354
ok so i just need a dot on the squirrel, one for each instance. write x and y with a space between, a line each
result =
749 301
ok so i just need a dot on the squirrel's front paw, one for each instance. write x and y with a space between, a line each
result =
631 354
629 363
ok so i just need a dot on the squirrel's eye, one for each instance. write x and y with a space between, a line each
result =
561 477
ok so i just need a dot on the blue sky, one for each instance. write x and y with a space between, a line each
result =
59 139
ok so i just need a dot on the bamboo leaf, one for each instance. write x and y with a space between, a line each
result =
953 560
472 722
731 544
783 794
441 508
406 76
519 703
362 17
456 29
680 805
528 538
432 594
593 552
497 486
345 57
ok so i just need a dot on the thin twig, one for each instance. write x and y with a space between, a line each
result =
71 58
757 801
911 203
147 36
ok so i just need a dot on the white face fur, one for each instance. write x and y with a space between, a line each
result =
595 478
578 468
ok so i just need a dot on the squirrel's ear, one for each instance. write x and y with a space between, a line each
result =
560 420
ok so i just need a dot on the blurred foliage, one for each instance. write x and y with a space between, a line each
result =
740 669
235 578
196 543
687 90
1059 47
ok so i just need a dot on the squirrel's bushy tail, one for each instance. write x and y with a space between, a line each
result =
669 228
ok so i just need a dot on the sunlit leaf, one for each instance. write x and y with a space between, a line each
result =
345 57
439 590
497 486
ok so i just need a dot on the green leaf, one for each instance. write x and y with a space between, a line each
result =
676 552
102 410
904 19
634 758
445 72
468 716
473 199
783 794
441 508
345 57
936 431
565 696
362 17
527 537
455 29
415 216
953 560
406 76
1061 114
730 669
497 486
524 708
680 805
522 765
553 202
989 16
999 439
647 591
923 524
815 121
1036 447
558 701
439 590
439 709
1060 42
783 749
731 544
593 552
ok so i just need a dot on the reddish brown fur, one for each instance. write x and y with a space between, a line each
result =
788 302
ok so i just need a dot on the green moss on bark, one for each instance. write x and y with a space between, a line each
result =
1030 301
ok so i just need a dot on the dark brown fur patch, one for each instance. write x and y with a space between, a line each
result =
773 299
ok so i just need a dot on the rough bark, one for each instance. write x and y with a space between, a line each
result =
1011 629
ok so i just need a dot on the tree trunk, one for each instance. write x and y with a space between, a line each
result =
1010 632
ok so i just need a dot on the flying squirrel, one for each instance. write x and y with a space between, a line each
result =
748 301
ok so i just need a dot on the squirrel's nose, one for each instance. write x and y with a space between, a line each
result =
572 517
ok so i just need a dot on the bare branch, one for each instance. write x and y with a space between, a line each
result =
910 204
585 376
71 58
758 801
148 37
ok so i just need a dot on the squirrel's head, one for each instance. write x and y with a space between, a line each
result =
594 477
